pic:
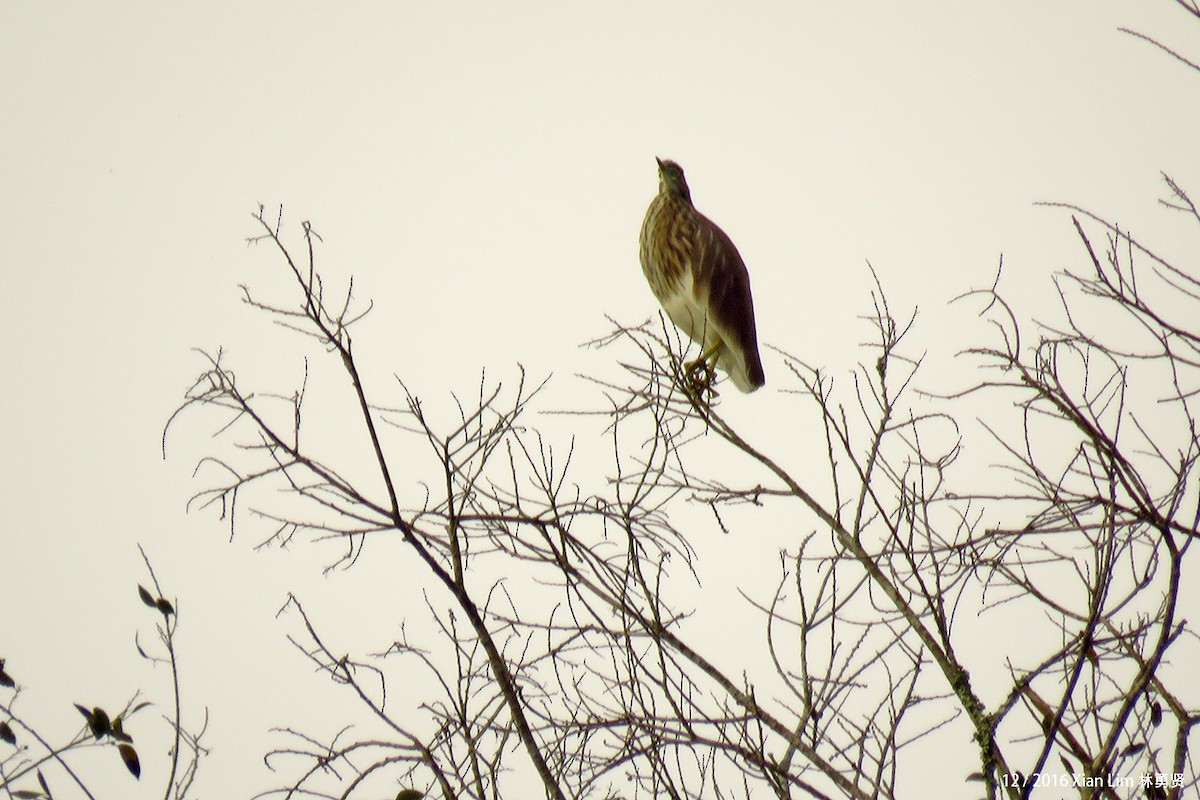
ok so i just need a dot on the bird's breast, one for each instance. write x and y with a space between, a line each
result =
666 246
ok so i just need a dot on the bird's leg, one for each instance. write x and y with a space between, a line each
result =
713 351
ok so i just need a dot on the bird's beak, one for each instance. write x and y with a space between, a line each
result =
660 162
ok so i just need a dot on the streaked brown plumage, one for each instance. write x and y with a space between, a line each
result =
699 277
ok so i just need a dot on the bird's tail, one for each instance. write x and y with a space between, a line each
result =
746 371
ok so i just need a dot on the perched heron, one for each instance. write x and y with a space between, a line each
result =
701 281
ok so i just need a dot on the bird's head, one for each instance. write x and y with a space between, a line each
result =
671 180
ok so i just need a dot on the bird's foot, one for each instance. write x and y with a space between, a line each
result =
699 377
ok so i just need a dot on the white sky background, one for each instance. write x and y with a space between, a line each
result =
483 176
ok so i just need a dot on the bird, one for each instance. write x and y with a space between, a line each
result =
700 280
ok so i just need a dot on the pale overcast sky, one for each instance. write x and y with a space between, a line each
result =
482 171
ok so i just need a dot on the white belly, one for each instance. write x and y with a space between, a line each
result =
684 310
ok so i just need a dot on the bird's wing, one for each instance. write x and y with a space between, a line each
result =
721 279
